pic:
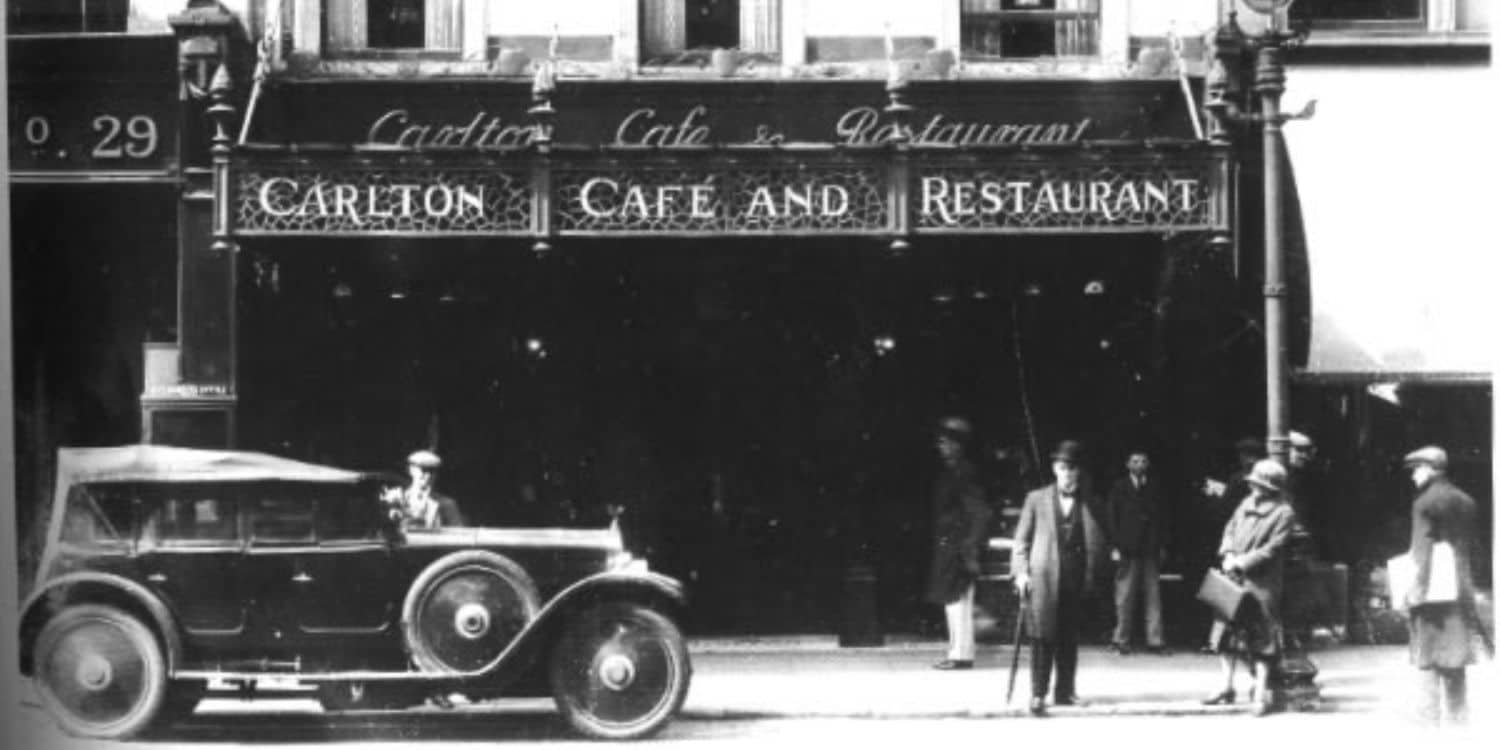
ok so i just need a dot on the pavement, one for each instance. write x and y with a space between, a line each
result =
812 677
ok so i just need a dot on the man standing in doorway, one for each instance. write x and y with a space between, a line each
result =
1057 550
419 503
1442 632
1137 520
960 518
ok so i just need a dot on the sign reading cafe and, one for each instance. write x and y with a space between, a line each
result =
700 196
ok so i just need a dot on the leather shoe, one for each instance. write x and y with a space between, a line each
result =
1221 698
1123 649
1069 700
954 664
1038 706
1158 651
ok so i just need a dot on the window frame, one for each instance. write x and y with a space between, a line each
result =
971 55
333 49
82 30
1422 23
149 538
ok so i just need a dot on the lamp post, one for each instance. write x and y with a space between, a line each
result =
1224 95
1269 82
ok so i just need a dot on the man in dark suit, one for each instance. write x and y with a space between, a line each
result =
1136 516
1442 629
1056 553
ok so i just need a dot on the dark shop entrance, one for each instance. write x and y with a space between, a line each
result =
757 413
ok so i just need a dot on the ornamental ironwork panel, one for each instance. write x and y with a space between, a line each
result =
1048 196
404 201
782 199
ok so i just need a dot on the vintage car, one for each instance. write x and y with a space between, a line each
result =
169 569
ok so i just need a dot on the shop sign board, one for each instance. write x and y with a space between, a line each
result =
110 113
493 115
287 200
754 199
1040 197
848 196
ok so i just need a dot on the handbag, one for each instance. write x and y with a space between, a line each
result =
1226 598
1442 580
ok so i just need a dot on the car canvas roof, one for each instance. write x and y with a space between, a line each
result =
163 463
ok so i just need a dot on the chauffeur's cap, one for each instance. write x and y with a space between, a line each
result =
424 459
1430 455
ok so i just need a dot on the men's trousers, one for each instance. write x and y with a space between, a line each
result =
1440 686
1061 649
960 616
1137 575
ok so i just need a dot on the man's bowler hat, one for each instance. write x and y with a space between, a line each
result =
1068 452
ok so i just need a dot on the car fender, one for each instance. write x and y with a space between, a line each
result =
640 586
60 591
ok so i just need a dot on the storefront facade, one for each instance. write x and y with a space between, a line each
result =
725 310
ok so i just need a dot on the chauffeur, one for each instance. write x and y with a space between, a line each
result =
1057 550
421 506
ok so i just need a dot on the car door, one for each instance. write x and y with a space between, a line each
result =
346 586
320 566
189 552
279 521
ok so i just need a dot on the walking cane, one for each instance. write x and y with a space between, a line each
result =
1015 653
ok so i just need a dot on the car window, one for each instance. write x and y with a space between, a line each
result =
281 518
191 516
97 516
348 514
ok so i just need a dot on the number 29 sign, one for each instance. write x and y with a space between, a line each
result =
124 132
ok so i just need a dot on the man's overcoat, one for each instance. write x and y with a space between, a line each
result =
1036 551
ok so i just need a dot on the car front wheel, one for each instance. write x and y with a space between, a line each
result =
99 672
620 671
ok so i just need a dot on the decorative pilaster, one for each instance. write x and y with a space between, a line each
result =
543 117
899 186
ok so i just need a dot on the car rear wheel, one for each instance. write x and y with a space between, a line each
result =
99 672
620 671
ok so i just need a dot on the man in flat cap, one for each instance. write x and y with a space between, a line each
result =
1442 632
1057 552
960 518
419 503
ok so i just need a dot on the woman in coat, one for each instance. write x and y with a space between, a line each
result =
960 521
1442 633
1253 553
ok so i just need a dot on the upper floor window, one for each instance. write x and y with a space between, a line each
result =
1361 13
670 28
66 16
1029 28
394 25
